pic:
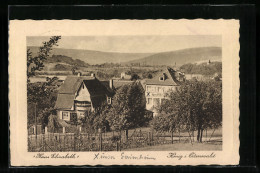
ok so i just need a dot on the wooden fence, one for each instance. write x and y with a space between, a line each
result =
112 141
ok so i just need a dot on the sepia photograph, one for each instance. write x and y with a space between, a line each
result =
124 93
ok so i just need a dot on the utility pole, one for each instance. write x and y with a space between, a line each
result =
35 118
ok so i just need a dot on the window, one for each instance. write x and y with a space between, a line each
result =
73 116
148 88
161 78
80 114
163 89
156 101
65 115
109 100
151 88
149 101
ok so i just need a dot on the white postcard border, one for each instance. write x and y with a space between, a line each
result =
228 29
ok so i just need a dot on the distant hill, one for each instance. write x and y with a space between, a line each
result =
94 57
181 57
202 68
67 60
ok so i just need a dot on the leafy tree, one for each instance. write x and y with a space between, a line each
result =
40 96
135 76
94 120
203 68
137 103
73 69
128 107
150 76
53 123
194 106
36 63
99 119
164 123
88 123
100 122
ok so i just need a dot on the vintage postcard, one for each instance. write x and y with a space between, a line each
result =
124 92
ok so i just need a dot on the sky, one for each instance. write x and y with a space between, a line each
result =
132 44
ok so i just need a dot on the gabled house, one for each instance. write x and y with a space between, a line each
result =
81 94
157 87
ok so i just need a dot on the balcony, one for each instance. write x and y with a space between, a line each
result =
82 104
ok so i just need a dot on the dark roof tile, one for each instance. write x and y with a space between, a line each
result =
170 78
72 83
64 101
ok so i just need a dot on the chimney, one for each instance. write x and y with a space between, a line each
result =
111 83
79 74
93 75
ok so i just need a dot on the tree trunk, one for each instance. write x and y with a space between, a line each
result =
212 134
120 140
190 137
126 135
201 135
198 135
172 136
179 136
206 135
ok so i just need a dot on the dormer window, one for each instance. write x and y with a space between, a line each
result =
109 100
161 78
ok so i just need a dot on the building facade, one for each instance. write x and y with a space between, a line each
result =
80 95
156 89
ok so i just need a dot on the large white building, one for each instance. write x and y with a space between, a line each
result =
157 87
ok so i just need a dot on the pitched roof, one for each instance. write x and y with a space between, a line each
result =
110 91
119 83
64 101
97 101
95 87
170 78
72 83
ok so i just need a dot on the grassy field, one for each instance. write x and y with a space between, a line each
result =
212 146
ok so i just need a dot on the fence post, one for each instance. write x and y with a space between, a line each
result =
63 130
179 136
172 136
44 143
100 141
152 135
206 136
116 146
74 141
126 135
149 138
120 141
46 130
59 141
35 135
